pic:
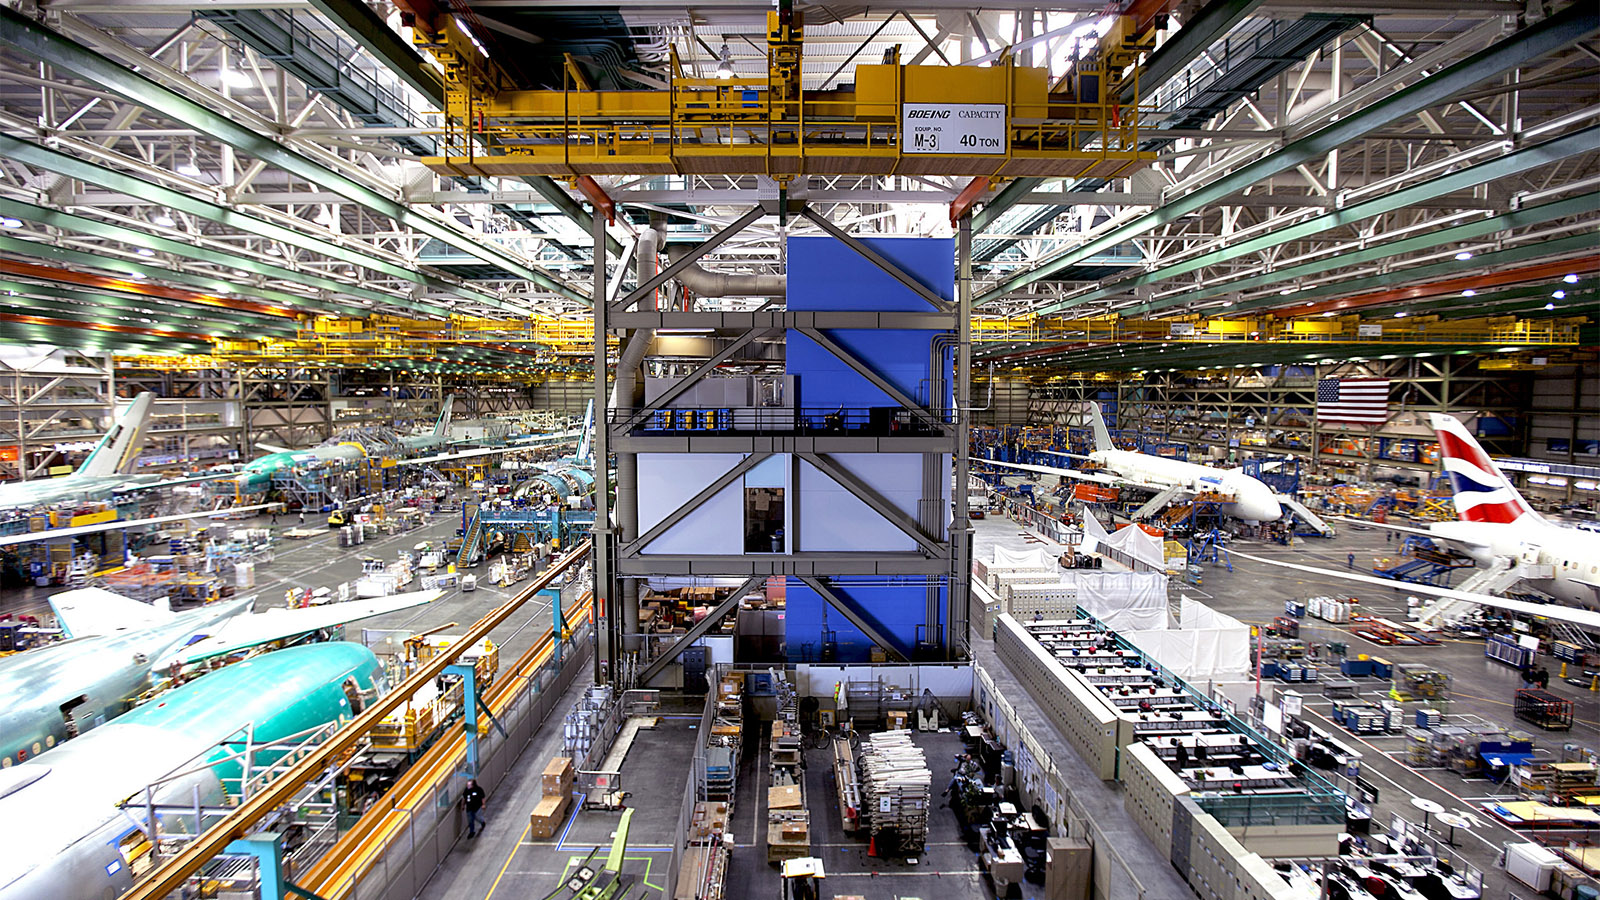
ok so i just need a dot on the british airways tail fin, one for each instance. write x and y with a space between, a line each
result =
1482 492
116 451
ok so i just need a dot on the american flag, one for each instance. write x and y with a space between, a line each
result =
1362 401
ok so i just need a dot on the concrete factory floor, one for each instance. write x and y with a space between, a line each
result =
320 562
1255 593
504 862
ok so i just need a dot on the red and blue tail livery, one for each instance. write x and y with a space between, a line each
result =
1482 491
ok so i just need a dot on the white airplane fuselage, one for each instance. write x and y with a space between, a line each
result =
1253 500
1572 553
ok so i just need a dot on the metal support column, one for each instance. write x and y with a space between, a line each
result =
267 848
603 548
957 616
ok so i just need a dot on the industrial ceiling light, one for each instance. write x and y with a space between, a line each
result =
237 78
162 220
1464 255
1469 292
10 222
189 168
1570 279
145 252
1400 315
1559 295
1549 306
725 63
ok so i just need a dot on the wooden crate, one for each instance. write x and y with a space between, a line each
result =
547 816
786 797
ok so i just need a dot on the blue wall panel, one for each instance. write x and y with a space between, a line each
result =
895 605
824 274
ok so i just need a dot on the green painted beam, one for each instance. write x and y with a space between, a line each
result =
1572 24
186 315
78 258
69 222
59 336
1522 218
1576 244
1202 29
1008 197
365 27
1577 143
60 163
67 55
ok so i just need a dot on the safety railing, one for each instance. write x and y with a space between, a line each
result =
874 421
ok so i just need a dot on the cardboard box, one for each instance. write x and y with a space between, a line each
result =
557 778
547 816
897 720
786 797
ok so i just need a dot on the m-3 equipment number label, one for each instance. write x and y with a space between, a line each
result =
957 128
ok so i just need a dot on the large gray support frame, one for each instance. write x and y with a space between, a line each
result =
699 629
933 556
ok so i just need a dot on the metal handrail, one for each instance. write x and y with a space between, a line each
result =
171 875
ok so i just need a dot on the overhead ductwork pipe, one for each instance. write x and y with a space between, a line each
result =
722 284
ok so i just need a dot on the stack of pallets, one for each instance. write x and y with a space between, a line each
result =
897 784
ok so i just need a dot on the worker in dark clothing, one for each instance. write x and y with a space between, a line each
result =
472 800
1183 757
1541 677
1350 560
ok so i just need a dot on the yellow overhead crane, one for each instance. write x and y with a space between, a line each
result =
1002 121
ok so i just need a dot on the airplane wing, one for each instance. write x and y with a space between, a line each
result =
486 451
1051 470
57 533
1427 533
273 448
90 611
174 482
1582 617
243 632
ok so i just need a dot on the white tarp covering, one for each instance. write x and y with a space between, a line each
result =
1206 644
1123 600
1094 534
1137 544
1035 558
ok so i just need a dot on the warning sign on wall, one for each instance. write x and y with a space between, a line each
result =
953 128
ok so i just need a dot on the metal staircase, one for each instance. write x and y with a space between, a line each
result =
469 554
1311 519
1156 504
1494 580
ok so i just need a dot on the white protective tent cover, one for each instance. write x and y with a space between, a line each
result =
1094 534
1122 600
1205 645
1034 558
1139 545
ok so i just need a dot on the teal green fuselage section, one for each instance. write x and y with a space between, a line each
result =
267 698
